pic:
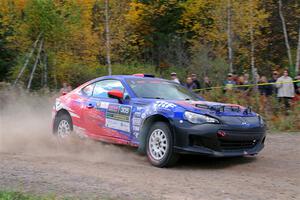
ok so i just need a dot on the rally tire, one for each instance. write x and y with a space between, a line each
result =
63 126
159 145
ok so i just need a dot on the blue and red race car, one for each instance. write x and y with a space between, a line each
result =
160 117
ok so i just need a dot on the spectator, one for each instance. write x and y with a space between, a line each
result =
190 84
195 81
286 90
297 84
265 90
257 78
241 82
235 77
274 78
174 77
297 88
246 79
229 83
66 88
207 83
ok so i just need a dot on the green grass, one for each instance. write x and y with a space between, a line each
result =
15 195
9 195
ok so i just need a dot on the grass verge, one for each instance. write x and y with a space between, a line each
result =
10 195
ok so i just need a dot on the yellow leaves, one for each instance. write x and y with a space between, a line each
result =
135 13
207 19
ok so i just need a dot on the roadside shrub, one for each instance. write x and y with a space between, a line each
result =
277 118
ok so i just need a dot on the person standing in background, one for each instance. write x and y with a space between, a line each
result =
297 88
190 84
286 90
246 79
66 88
229 83
235 77
241 82
196 81
207 83
274 78
174 77
264 90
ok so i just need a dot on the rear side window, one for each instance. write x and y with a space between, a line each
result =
88 90
102 87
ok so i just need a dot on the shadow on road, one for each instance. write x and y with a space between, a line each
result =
201 162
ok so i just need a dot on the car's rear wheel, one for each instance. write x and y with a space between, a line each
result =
160 145
63 126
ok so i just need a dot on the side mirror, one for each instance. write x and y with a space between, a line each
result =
116 94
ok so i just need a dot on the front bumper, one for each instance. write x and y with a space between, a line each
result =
205 140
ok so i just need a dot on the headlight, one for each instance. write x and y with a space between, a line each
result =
199 119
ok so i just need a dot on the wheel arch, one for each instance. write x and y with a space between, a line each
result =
60 113
147 125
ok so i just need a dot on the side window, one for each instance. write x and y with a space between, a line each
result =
88 90
102 87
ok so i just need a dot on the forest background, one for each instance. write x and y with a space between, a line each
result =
56 41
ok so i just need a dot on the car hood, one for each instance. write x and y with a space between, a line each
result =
215 108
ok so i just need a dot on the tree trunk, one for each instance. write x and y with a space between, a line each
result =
253 68
35 64
297 67
229 36
288 48
45 70
107 33
252 54
27 60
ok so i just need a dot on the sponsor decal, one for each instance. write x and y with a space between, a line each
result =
136 121
118 117
136 134
113 108
143 116
136 128
103 105
139 108
117 124
164 104
137 114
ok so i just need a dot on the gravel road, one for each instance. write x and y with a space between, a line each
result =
32 160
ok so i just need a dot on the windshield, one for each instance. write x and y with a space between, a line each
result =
160 89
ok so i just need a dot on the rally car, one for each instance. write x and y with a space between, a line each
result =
159 117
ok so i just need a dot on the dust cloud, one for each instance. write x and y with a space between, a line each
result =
25 128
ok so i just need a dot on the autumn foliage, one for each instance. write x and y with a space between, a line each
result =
153 36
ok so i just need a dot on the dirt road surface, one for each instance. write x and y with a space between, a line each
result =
32 160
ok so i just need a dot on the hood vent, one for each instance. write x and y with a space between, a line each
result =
223 108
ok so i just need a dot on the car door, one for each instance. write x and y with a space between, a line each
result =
105 117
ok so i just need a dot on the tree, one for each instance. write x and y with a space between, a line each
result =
297 66
155 26
229 35
68 41
7 55
226 25
286 38
107 36
8 23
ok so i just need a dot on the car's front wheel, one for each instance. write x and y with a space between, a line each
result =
160 145
63 126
